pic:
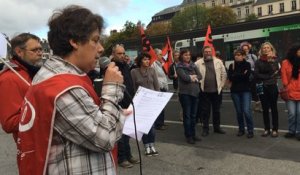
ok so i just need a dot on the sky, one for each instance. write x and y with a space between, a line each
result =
18 16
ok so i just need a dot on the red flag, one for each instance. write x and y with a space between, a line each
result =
209 41
146 45
167 56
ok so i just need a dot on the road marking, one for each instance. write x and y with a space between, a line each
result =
226 101
224 126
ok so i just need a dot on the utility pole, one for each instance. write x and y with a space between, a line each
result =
196 14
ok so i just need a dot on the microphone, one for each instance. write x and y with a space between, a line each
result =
104 62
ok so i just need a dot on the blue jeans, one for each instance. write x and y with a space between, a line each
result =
189 106
242 104
293 116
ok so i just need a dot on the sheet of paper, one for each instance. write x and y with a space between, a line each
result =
3 46
148 104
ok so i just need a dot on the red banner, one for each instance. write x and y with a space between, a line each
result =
209 41
146 45
167 56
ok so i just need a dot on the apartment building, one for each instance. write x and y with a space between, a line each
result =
261 8
273 8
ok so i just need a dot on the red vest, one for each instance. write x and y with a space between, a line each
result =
38 114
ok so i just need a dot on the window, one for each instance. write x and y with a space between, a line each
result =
213 3
223 1
247 11
239 13
294 5
281 7
259 11
270 7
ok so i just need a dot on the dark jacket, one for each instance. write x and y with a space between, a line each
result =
266 72
125 70
186 86
238 75
172 71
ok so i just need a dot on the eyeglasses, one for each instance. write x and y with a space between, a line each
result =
117 45
35 50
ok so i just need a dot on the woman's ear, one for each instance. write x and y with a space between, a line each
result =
74 44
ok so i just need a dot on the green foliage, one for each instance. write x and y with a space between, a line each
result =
158 28
129 31
189 18
219 16
251 17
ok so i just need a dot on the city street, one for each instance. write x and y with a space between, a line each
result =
214 155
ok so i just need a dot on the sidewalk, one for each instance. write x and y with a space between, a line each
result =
214 155
219 155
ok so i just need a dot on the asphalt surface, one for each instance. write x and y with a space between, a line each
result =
215 155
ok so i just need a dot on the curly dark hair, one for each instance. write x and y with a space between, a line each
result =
73 22
20 41
140 58
294 59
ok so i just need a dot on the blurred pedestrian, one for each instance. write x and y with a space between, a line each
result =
266 72
172 70
188 79
214 78
238 74
163 86
291 81
252 58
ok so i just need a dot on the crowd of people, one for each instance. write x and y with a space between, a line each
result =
61 125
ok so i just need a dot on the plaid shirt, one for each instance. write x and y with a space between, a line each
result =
83 133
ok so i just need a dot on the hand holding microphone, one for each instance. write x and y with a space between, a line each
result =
112 73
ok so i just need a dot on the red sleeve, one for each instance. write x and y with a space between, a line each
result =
12 93
284 71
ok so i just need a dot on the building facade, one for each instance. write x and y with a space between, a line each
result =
273 8
243 8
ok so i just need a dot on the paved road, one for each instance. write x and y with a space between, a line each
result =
214 155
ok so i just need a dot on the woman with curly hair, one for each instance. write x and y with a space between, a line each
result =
291 81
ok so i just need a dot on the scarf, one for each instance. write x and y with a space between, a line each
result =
32 70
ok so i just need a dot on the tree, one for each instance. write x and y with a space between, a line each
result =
219 16
159 28
189 18
251 17
129 31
